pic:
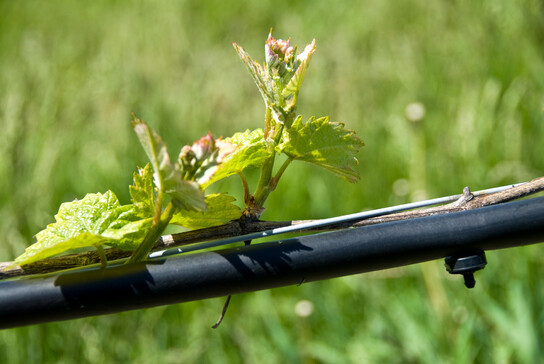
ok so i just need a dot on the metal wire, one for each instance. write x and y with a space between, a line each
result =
324 222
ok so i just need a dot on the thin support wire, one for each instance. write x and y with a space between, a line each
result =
325 222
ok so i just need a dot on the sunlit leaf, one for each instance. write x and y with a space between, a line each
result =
324 143
303 61
250 152
220 211
186 195
156 151
260 76
96 220
200 161
168 177
142 192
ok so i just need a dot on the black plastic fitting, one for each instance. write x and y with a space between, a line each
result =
466 264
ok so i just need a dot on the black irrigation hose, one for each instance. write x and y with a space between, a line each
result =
89 292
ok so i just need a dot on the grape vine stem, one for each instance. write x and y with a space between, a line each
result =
234 228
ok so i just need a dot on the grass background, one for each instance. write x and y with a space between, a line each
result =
72 72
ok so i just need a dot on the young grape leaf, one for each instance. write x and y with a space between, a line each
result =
324 143
260 76
220 211
268 87
280 78
142 192
301 65
168 177
156 151
250 152
186 195
96 220
200 161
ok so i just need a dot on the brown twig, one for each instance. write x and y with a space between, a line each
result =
223 312
236 228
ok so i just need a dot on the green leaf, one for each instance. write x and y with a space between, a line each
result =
142 192
96 220
156 151
168 177
260 76
186 195
324 143
220 211
200 161
250 152
295 82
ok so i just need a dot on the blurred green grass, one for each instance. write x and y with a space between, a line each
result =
72 72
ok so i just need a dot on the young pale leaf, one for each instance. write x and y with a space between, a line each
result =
220 211
324 143
142 192
250 152
303 61
156 151
186 195
168 178
200 161
96 220
260 76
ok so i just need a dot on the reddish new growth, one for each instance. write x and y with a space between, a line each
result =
201 160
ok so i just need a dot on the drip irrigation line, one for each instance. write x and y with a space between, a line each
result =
322 223
98 291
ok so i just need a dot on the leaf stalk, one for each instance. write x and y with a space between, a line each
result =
267 183
158 226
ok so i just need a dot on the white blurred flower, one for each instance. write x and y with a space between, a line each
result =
415 111
304 308
401 187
